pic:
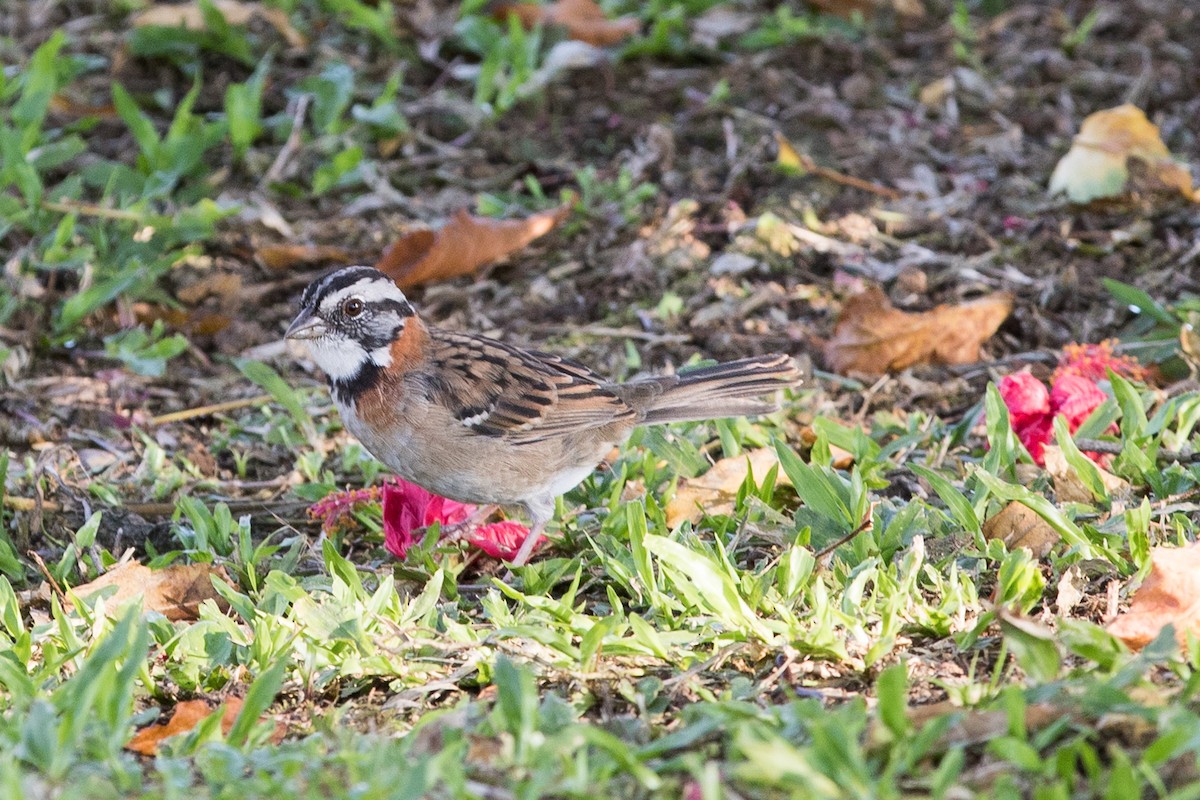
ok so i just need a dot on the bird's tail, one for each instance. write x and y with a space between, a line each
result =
733 389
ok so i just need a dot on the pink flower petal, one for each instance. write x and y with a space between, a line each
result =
1026 398
1035 436
1075 397
408 508
501 539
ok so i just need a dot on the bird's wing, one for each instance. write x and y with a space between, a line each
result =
496 389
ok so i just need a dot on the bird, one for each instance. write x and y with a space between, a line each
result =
482 421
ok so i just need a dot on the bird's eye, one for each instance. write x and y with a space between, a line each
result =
352 307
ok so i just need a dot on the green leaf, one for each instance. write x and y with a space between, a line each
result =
820 487
892 690
711 583
1139 302
1033 645
1084 467
1133 410
41 82
136 120
278 388
1047 511
258 699
961 510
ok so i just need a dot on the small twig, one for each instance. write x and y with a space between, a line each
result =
291 146
719 658
864 526
204 411
41 565
28 504
1115 448
92 210
807 163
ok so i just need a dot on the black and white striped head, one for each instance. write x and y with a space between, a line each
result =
349 318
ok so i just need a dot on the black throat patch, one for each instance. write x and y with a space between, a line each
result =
347 390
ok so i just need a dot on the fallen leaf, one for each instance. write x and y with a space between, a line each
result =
788 158
583 20
1018 525
462 246
186 716
1070 590
194 321
280 257
1170 594
1097 165
715 491
69 106
1068 487
977 726
191 17
176 592
873 337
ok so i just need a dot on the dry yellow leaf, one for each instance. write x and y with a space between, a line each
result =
191 17
1097 165
715 491
583 20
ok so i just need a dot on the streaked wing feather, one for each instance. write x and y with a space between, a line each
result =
497 389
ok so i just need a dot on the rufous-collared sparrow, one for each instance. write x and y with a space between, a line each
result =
480 421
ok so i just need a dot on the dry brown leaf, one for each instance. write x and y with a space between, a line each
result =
1068 487
1170 594
280 257
873 337
583 20
462 246
187 715
977 726
715 491
1018 525
176 592
69 106
191 17
1097 165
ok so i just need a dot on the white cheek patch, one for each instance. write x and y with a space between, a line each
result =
382 356
339 358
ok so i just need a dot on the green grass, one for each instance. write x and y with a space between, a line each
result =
641 661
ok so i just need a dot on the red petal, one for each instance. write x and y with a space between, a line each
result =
1026 398
1035 436
1075 397
408 508
501 539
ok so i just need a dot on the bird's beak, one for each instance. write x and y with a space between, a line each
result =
305 326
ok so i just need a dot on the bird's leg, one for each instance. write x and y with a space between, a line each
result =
540 512
531 539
